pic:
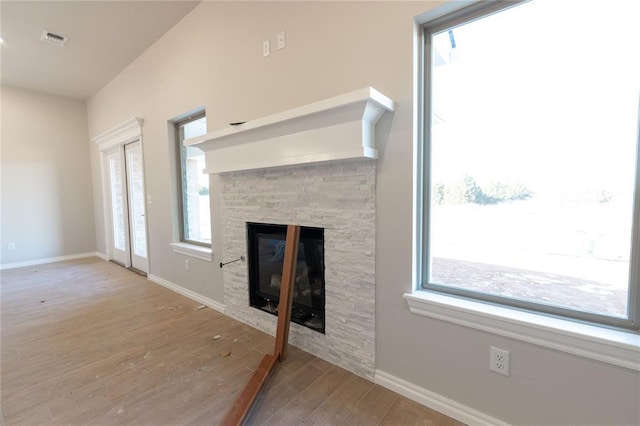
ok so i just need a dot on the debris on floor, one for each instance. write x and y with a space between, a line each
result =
42 301
225 354
197 308
216 337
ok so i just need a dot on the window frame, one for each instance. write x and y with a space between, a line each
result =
180 167
434 22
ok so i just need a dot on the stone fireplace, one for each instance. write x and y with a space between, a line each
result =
313 166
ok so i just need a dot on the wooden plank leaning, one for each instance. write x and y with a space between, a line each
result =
286 291
242 406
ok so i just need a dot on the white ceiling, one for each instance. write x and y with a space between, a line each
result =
104 37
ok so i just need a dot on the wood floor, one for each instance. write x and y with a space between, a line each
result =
88 342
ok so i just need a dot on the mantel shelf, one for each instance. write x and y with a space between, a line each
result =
338 128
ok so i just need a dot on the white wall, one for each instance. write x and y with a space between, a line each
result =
213 58
47 201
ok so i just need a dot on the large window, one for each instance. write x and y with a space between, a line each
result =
528 167
194 184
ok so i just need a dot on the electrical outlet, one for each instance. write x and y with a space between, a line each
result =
499 361
266 48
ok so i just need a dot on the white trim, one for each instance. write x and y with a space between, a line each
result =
442 10
617 347
338 128
435 401
102 256
123 133
199 252
49 260
187 293
106 205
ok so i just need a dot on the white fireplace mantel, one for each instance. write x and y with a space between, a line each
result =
338 128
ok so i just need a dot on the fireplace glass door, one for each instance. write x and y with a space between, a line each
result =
266 243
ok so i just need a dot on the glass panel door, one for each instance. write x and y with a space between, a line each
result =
118 243
135 184
124 171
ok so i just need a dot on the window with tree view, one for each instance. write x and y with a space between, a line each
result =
194 199
530 157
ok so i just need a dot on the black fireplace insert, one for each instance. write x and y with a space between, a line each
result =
265 245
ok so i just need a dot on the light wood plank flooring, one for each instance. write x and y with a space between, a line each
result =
88 342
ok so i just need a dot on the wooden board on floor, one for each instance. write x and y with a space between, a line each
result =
242 405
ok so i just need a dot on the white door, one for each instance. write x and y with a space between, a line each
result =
128 233
136 198
117 191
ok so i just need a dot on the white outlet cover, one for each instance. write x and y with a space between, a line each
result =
266 48
499 361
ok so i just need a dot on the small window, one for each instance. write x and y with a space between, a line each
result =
194 184
529 158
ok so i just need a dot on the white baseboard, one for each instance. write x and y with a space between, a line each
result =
102 256
187 293
50 260
436 402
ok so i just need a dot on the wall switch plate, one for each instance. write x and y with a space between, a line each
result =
266 48
282 40
11 246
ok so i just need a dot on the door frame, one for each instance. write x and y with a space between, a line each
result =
127 132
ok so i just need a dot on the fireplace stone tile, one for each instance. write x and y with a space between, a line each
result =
339 197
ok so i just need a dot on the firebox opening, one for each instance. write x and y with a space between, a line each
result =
265 246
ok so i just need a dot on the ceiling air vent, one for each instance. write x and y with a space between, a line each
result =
53 38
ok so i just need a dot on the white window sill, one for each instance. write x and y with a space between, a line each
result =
621 348
192 250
